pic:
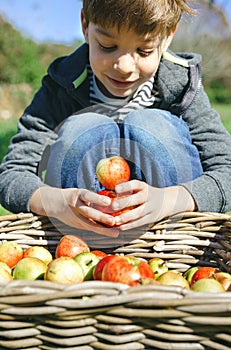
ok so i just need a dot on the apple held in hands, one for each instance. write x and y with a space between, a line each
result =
108 209
71 245
112 171
127 269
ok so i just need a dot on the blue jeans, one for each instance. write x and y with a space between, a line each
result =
156 144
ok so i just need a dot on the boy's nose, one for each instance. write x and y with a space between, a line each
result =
125 63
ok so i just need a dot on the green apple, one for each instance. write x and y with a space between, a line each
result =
64 270
38 252
87 261
29 269
189 273
158 266
208 285
173 278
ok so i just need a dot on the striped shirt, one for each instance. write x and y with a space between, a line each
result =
118 108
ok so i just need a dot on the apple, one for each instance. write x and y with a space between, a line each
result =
5 275
126 269
224 278
108 209
5 266
10 253
203 272
173 278
97 273
87 261
71 245
99 253
112 171
158 266
189 273
30 268
207 285
38 252
64 270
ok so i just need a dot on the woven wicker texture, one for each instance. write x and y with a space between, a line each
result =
102 315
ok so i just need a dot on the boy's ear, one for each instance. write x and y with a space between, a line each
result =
169 39
84 26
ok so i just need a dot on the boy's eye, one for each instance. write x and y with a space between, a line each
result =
106 48
144 53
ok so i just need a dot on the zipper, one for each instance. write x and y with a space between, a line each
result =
193 75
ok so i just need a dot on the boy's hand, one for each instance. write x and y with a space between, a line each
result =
73 207
152 204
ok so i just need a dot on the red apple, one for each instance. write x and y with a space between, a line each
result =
29 269
108 209
87 261
224 278
99 253
5 275
64 270
112 171
203 272
10 253
97 273
38 252
71 245
127 269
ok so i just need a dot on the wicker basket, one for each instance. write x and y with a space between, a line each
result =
102 315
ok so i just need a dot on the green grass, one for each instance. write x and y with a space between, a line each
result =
9 128
225 112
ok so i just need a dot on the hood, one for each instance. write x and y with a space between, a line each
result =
66 70
178 80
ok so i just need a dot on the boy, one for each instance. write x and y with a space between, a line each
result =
123 93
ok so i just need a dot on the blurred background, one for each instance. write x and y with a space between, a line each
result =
34 32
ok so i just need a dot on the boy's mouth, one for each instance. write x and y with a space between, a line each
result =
121 84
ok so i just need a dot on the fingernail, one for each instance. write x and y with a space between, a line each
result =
111 221
106 201
117 220
115 206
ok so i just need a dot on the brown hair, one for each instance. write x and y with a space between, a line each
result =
144 16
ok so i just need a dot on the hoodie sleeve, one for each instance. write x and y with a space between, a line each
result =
20 168
212 190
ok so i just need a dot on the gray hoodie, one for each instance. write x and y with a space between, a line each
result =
65 91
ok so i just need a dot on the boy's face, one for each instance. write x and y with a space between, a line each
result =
123 60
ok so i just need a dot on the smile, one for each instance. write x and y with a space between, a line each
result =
121 84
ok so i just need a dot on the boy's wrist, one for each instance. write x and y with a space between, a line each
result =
178 199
